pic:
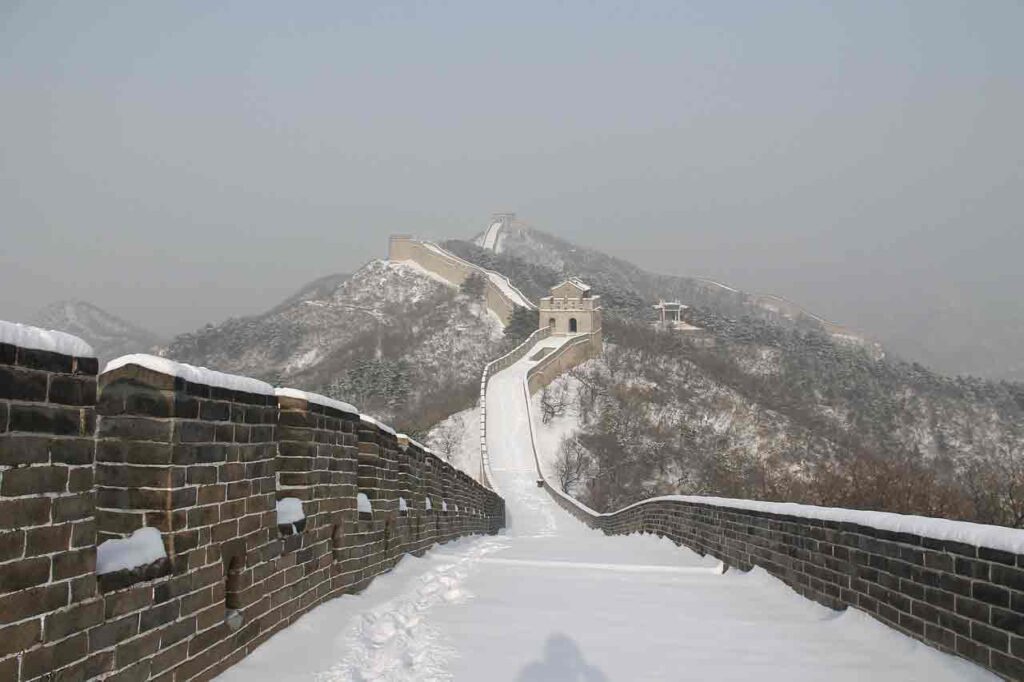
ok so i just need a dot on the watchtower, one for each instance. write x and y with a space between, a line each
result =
570 309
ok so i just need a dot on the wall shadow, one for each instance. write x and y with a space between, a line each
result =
562 662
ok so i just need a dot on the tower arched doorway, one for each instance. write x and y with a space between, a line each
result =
572 325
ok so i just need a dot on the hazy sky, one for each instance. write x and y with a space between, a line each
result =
177 163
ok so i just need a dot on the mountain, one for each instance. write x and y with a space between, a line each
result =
109 335
769 401
535 260
391 338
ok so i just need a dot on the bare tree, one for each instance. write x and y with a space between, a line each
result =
554 401
447 436
573 464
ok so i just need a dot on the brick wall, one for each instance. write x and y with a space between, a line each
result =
47 527
964 599
205 466
454 269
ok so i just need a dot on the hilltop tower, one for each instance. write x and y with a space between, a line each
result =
570 309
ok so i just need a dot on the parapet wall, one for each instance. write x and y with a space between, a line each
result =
501 300
574 352
492 368
208 467
958 587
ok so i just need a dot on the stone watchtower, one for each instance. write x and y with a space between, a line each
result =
571 309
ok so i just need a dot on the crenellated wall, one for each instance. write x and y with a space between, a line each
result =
203 462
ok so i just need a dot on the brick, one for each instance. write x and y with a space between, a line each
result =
135 428
119 603
1011 621
19 449
110 633
990 637
24 573
133 452
210 410
88 366
79 617
74 563
136 649
34 480
193 432
9 666
32 602
26 512
19 637
80 479
45 360
47 540
72 390
22 384
1010 667
158 615
53 419
991 594
54 656
73 451
1008 577
12 545
126 476
73 507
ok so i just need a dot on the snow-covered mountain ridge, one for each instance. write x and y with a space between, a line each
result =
109 335
392 339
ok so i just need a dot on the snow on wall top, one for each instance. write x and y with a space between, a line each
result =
190 373
316 399
378 424
27 336
142 548
977 534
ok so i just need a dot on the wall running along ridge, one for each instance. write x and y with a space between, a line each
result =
958 587
204 465
501 300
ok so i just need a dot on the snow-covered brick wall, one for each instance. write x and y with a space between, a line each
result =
34 338
192 374
316 399
215 451
956 586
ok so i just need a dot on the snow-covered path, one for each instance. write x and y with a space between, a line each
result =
551 599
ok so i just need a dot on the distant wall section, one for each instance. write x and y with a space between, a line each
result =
500 296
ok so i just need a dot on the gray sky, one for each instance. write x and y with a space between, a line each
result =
177 163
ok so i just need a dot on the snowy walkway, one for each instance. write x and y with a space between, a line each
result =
551 599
